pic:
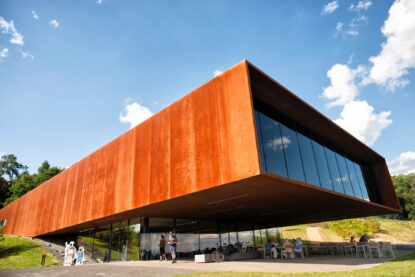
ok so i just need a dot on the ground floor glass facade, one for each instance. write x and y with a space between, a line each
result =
138 239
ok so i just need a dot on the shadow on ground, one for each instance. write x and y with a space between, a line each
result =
14 250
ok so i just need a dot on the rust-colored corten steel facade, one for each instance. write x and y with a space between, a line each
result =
201 158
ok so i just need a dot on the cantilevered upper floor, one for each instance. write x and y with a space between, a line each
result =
241 147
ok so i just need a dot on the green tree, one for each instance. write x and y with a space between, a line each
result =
45 172
405 190
10 167
25 182
10 170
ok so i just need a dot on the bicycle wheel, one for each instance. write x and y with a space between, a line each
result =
216 256
221 257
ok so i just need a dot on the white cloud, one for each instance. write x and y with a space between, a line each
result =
27 55
351 33
217 72
339 26
54 23
330 7
278 143
134 114
342 89
8 28
355 24
34 15
398 52
350 59
361 5
404 164
359 119
99 2
4 53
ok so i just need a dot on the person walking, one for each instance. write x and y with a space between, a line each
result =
173 247
162 245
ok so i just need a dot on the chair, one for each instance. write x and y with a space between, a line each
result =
266 252
375 250
349 248
387 249
299 251
361 249
287 252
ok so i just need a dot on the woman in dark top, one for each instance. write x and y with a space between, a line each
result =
162 246
173 247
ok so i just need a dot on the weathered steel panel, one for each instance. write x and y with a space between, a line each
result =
203 140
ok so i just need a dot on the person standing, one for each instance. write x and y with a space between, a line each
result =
173 247
162 245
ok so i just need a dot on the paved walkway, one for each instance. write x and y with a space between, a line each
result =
157 268
313 234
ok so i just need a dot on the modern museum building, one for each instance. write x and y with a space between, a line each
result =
229 162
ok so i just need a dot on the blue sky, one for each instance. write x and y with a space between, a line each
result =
71 70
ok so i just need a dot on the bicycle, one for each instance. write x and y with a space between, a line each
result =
218 256
220 253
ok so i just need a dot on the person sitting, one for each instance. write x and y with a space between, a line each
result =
298 247
238 246
364 238
267 249
352 239
274 251
268 245
287 249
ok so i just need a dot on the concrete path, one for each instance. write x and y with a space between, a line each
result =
313 234
157 268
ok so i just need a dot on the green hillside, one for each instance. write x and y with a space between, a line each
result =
18 252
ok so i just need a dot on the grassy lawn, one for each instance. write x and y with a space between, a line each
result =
401 230
404 267
101 247
16 252
292 232
328 235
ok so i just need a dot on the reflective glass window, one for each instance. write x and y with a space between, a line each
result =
134 240
344 175
187 237
101 243
292 154
273 146
119 241
353 179
322 166
209 236
334 171
309 163
362 182
260 140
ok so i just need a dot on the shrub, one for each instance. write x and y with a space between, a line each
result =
354 227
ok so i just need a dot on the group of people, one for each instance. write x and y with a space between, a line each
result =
173 247
72 256
363 238
288 248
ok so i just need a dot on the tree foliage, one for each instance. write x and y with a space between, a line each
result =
10 170
354 227
15 180
405 190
